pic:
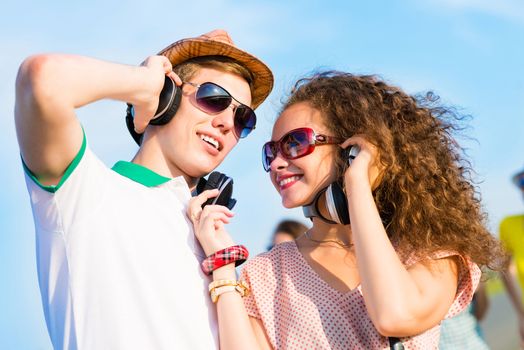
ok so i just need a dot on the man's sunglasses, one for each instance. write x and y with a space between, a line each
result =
295 144
212 99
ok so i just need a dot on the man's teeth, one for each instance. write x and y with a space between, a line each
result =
288 180
210 140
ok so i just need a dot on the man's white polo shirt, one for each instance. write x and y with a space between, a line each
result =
118 263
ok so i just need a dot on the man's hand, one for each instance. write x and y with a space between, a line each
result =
145 105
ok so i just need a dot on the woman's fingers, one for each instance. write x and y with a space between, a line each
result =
210 213
210 230
366 165
194 208
216 212
209 222
214 218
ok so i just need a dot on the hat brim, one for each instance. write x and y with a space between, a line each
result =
185 49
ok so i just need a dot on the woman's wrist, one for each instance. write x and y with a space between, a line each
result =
226 272
236 255
357 183
215 246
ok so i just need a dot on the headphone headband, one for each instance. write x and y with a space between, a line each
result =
311 210
336 204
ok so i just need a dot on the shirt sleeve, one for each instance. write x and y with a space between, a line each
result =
249 300
33 180
81 190
469 277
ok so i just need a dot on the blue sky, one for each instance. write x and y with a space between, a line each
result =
469 52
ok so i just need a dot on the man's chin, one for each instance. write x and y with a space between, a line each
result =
201 171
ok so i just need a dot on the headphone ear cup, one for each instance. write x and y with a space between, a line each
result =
337 204
221 182
201 185
131 125
169 102
213 181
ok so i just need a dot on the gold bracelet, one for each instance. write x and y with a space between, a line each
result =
216 288
220 283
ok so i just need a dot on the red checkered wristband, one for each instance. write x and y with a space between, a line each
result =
235 254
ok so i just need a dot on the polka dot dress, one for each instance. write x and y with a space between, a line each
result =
299 310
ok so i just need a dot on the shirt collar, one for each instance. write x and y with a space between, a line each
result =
139 173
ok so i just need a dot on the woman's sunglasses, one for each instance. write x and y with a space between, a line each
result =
212 99
295 144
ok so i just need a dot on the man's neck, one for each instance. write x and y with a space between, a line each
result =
154 160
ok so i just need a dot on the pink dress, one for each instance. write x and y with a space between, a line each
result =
300 310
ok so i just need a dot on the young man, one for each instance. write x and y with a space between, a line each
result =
512 235
118 264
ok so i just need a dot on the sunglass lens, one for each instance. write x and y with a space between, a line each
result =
245 121
268 154
295 144
212 98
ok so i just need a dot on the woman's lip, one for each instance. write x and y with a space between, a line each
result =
288 181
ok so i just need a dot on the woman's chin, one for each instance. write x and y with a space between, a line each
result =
290 203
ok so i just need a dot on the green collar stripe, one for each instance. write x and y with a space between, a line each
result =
71 167
139 174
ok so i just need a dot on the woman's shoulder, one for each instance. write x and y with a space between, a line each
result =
274 261
279 252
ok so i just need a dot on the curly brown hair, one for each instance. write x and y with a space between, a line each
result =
426 197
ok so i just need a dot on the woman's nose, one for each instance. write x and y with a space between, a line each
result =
279 162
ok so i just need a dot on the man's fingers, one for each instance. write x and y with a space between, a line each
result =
140 125
175 77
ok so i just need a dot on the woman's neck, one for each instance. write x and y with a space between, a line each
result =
323 232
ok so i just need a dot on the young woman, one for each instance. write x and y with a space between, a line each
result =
411 253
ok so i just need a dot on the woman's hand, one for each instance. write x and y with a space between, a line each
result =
366 167
145 105
209 222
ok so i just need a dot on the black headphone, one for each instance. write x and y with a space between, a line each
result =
225 187
169 101
335 198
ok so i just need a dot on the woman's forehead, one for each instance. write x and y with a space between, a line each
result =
297 116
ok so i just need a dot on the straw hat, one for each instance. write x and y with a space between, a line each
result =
219 43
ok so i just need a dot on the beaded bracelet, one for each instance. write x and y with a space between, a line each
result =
235 254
